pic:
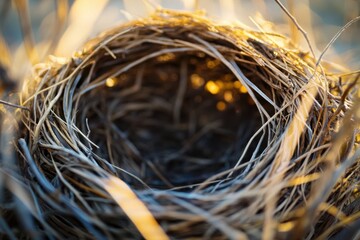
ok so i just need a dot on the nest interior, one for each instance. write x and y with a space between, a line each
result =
191 115
169 118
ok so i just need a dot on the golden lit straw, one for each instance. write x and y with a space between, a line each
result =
134 208
286 151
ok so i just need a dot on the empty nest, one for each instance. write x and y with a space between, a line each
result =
196 118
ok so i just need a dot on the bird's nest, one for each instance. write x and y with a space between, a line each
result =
220 132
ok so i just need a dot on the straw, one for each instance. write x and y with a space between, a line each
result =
176 127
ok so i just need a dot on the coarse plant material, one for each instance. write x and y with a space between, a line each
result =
177 127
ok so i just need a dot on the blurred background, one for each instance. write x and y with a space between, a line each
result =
33 29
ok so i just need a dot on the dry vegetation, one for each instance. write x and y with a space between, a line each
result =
177 127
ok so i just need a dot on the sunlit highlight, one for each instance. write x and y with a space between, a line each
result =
166 57
212 64
237 84
212 88
110 82
221 106
243 89
197 81
285 227
228 96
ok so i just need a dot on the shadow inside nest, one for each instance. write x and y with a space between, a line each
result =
173 122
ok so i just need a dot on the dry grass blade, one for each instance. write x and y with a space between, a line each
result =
134 209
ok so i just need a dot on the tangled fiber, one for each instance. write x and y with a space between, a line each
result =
177 127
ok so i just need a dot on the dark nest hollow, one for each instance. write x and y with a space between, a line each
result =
221 132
